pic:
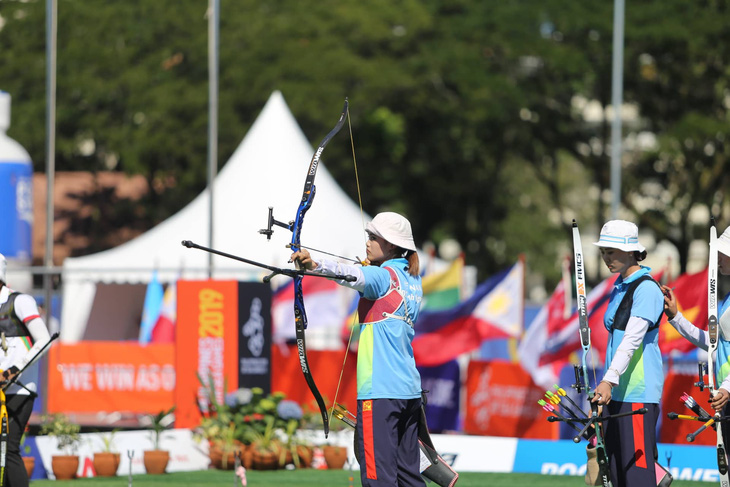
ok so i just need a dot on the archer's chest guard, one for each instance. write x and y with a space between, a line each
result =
10 325
384 307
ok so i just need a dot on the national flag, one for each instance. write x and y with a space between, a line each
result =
691 293
442 290
326 304
493 311
151 310
549 321
550 341
164 331
350 331
551 338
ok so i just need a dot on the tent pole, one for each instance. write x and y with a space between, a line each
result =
213 24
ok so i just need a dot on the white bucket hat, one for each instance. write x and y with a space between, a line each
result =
3 268
723 242
620 234
394 228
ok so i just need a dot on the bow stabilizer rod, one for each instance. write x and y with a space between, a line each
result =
274 270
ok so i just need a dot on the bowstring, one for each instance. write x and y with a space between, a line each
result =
355 314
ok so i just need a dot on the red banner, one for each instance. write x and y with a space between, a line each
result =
325 366
110 376
502 401
206 344
676 431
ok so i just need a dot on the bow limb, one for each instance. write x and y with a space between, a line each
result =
300 314
581 371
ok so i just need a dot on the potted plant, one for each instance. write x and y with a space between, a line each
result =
67 438
106 461
224 447
294 450
335 456
155 460
265 448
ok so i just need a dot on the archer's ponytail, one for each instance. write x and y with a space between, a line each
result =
413 263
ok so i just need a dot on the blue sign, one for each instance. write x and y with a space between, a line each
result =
563 457
16 202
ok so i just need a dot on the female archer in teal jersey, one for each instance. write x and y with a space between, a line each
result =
388 383
634 376
700 337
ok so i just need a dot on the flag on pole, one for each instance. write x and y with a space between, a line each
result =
691 293
327 305
442 290
551 338
151 310
493 311
164 330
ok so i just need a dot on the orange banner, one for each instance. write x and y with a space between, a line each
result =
502 401
110 376
206 342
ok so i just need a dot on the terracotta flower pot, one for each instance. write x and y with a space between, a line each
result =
64 466
335 456
155 461
228 461
264 460
106 464
29 463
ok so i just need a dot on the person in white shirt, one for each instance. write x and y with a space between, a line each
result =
23 334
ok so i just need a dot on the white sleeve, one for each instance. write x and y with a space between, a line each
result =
694 335
39 332
26 310
332 268
633 336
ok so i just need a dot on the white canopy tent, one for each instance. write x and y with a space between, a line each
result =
267 169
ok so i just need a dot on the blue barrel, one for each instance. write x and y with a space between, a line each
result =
16 192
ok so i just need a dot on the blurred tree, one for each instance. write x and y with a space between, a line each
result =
485 122
678 74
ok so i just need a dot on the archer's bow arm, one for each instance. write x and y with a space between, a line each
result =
328 267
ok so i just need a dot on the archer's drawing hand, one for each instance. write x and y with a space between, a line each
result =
603 393
670 302
720 399
303 260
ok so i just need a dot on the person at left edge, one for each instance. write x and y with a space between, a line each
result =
22 334
388 383
634 377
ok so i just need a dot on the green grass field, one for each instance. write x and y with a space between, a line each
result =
318 478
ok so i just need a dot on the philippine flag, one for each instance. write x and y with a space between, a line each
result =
495 310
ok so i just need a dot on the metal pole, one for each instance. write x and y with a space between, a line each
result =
213 24
617 101
51 37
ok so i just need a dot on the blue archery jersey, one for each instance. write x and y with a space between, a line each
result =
643 380
386 367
